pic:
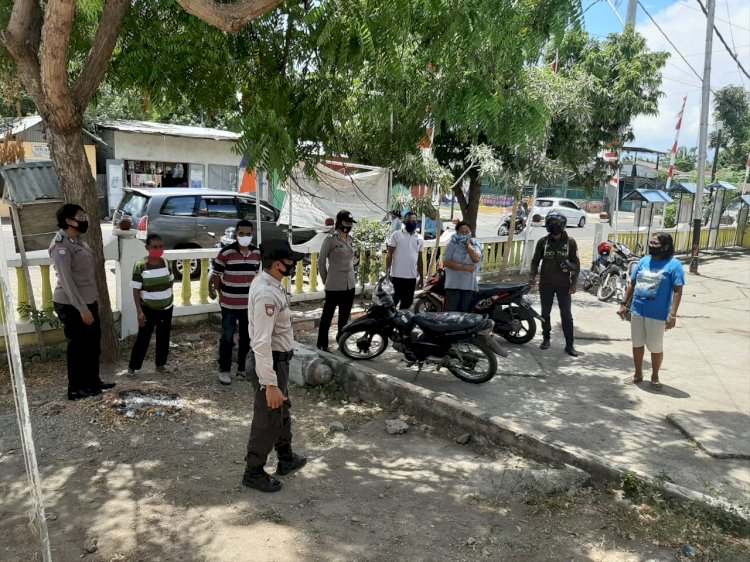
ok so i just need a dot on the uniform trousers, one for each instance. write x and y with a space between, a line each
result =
270 428
84 346
161 321
344 301
564 302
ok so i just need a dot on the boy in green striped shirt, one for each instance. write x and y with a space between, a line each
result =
152 292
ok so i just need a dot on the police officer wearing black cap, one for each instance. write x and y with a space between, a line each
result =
267 367
337 272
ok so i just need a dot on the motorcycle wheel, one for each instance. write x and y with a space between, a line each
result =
522 322
587 284
608 287
362 345
426 304
502 231
466 357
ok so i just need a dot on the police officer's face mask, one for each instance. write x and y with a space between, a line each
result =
288 268
555 228
81 226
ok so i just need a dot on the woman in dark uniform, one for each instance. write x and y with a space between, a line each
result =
76 302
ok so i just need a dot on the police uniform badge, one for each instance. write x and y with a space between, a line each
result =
270 309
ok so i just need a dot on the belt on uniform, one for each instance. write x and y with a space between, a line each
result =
282 355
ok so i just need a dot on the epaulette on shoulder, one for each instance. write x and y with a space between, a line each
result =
58 238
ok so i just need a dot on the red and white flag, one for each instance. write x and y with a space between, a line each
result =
673 153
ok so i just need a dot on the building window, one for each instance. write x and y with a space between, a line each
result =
222 177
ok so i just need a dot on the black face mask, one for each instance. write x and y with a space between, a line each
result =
656 252
82 227
410 226
554 229
345 229
287 271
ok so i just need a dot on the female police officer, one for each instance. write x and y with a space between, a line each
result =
76 302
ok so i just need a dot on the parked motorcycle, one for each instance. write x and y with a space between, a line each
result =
615 278
505 225
461 343
505 303
593 277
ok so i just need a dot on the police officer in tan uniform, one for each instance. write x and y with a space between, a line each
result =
267 367
76 302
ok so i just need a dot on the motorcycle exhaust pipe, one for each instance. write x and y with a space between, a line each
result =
496 347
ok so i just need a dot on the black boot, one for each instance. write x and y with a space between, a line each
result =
570 350
257 478
289 462
544 344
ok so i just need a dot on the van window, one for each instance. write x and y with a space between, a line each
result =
218 208
179 207
247 211
133 204
543 203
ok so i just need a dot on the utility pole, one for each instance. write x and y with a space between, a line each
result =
630 17
716 151
703 138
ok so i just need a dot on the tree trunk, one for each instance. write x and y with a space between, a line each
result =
79 187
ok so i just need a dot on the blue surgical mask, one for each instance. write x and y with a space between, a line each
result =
461 238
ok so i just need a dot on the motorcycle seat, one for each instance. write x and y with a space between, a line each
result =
491 290
444 322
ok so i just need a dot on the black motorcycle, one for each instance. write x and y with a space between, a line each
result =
505 225
462 343
515 318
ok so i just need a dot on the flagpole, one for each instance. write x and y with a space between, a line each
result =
674 146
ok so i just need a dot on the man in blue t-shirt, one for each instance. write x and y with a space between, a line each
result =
656 290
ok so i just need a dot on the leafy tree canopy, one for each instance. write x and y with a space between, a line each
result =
732 109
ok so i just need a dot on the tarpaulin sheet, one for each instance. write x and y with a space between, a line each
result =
364 193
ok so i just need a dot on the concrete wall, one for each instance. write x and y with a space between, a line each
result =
162 148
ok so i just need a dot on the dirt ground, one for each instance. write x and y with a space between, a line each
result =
165 485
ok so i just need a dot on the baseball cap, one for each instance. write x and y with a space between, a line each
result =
279 250
345 216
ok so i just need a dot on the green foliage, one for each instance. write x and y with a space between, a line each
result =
369 236
732 109
39 318
670 215
623 81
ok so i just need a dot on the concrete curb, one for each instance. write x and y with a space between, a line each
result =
370 385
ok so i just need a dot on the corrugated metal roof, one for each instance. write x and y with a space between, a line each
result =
683 187
648 195
29 182
149 128
745 199
722 185
20 125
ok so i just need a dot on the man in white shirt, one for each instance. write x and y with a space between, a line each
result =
404 263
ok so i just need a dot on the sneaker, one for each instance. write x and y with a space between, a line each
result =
290 464
570 350
544 344
225 377
258 479
241 375
82 393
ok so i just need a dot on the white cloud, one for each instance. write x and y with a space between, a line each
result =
685 25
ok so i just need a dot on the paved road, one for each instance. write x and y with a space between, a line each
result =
584 401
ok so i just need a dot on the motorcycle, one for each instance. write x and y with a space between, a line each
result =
593 276
515 318
461 343
614 280
505 225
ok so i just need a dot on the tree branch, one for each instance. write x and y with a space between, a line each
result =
56 30
21 39
231 17
97 60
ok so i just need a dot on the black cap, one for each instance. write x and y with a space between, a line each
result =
345 216
279 250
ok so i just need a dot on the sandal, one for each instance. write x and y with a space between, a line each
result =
656 385
634 380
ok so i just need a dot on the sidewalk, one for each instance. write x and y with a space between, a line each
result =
695 432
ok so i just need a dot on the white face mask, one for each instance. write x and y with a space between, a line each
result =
244 241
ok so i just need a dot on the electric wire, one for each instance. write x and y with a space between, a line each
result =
723 41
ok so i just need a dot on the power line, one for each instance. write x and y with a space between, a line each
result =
721 38
669 40
717 19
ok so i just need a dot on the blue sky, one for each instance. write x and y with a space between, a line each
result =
685 25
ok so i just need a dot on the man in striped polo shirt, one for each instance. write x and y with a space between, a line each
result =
152 292
234 269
